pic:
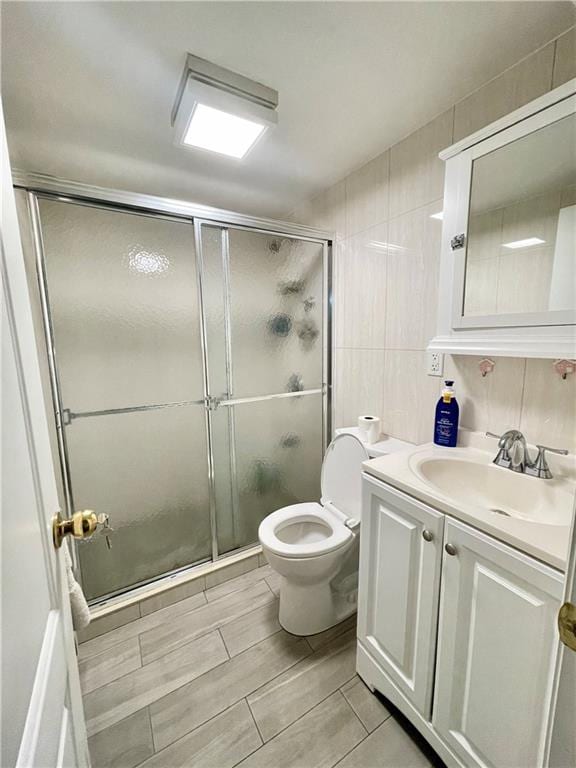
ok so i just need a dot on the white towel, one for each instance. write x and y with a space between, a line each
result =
78 604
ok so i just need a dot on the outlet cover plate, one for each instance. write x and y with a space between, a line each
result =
434 363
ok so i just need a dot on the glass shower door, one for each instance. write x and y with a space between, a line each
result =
125 321
264 300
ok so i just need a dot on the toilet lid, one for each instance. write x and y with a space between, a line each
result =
341 481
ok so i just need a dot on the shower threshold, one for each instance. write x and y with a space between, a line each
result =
215 571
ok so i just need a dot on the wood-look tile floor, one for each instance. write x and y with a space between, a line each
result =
213 681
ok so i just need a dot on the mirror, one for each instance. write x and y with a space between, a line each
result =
521 252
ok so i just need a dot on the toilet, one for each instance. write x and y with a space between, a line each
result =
314 546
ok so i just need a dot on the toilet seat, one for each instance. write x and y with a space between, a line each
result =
316 531
311 529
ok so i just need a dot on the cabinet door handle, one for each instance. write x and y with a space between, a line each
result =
450 549
427 535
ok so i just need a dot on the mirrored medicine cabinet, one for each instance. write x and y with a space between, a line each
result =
508 264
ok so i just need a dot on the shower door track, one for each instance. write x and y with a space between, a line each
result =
78 192
42 186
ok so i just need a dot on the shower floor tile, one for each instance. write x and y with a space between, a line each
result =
214 682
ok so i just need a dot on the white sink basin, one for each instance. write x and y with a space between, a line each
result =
531 514
469 477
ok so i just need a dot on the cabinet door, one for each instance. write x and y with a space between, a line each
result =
496 647
399 588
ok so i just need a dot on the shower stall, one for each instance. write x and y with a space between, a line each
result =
189 366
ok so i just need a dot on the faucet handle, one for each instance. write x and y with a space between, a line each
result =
508 437
539 467
559 451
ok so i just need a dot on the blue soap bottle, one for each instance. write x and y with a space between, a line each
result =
447 415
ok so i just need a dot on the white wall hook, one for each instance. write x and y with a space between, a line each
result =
564 367
486 365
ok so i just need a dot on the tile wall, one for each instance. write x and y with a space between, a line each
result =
386 275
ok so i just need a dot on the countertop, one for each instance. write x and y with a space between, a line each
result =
548 543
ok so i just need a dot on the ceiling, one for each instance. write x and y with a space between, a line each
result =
88 87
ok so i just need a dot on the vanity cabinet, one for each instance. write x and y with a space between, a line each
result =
496 646
398 613
457 630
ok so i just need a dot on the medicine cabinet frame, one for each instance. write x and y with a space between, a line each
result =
546 334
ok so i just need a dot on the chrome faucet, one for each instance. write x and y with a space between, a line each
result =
512 450
513 454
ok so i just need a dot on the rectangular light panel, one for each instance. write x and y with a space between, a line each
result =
524 243
221 132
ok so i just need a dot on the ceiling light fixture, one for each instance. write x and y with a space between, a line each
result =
527 243
222 132
221 111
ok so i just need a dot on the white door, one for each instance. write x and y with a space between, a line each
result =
496 651
562 724
42 717
401 557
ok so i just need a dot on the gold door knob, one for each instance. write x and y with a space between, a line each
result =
81 525
567 625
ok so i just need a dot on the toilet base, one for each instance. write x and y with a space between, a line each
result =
310 609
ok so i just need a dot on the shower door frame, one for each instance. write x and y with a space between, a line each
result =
40 186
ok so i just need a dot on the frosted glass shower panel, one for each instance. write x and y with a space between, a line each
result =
148 471
124 304
268 454
271 300
276 306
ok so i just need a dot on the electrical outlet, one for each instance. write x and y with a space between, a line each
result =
435 363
